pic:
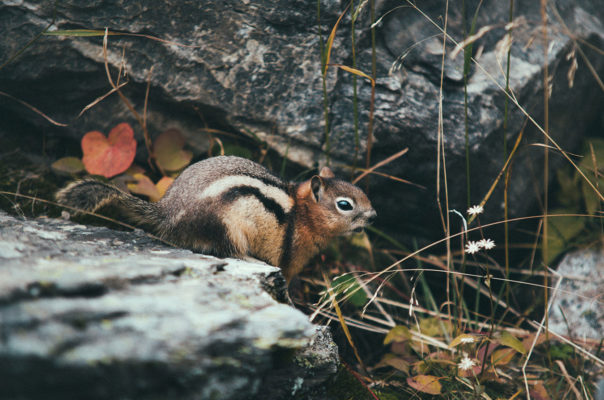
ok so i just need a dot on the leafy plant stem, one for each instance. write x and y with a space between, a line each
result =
373 76
505 154
545 169
467 58
324 83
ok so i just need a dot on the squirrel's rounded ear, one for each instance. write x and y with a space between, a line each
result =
316 184
311 189
326 172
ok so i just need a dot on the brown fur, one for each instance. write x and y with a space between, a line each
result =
233 207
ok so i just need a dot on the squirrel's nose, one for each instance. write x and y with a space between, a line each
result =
371 217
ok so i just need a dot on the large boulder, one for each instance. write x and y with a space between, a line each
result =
577 309
93 313
254 67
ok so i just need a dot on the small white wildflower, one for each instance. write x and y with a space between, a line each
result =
475 210
468 339
472 247
466 363
486 244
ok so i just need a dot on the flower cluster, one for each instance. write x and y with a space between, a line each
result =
475 247
466 363
475 210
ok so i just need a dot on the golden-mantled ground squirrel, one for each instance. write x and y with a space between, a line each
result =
233 207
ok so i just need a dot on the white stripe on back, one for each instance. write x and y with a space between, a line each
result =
220 186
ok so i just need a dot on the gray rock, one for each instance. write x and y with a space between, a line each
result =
255 68
89 312
577 309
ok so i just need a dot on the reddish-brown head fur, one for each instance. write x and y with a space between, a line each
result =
326 207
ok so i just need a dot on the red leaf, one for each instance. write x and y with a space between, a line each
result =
109 156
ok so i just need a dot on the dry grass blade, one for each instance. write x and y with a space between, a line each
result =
579 49
424 339
530 352
101 98
381 309
334 302
354 71
139 118
580 349
148 143
553 148
331 38
381 163
569 380
391 177
391 268
101 32
114 86
34 109
371 108
471 39
53 203
505 167
515 102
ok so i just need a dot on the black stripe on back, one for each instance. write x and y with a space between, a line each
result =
288 241
269 204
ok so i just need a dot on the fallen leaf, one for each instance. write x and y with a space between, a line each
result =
434 327
163 184
168 151
507 339
68 165
425 383
399 333
538 392
502 356
395 362
109 156
144 186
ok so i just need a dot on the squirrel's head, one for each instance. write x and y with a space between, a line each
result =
334 206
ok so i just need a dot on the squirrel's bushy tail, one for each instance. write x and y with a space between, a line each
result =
90 195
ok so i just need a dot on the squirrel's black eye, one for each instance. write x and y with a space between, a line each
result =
344 205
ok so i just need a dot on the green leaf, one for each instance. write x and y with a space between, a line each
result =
77 32
507 339
399 333
561 351
434 327
68 165
168 151
592 160
568 195
239 151
345 285
561 231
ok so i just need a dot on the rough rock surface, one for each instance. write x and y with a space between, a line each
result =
255 67
93 313
580 296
